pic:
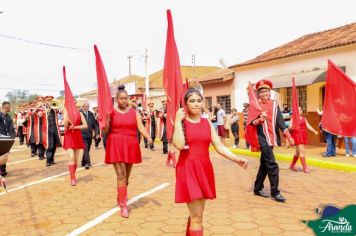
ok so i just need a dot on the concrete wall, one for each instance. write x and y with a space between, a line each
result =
220 89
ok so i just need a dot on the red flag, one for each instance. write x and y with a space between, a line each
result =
172 80
339 115
69 102
104 94
253 112
295 107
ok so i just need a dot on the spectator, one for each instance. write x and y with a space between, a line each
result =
287 115
235 127
221 119
330 139
245 116
213 118
349 151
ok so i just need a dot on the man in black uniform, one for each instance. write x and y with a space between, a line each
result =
6 128
151 125
97 138
52 132
87 134
164 133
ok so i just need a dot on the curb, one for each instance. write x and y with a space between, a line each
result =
311 161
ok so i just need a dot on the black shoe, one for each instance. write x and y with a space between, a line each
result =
32 155
146 146
326 155
279 198
260 193
48 164
41 158
87 166
53 163
165 152
4 173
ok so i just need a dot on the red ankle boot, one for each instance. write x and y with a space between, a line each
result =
72 169
187 233
122 201
196 232
292 165
304 164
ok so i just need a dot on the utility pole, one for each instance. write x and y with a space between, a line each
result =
147 84
193 62
129 57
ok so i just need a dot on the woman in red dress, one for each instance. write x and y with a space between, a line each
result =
194 172
73 141
122 147
300 139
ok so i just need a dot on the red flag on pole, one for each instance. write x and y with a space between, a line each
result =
69 102
105 103
253 113
295 107
339 115
172 80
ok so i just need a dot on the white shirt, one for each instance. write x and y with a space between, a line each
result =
220 117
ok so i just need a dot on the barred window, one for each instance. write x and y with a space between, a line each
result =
302 92
208 102
225 102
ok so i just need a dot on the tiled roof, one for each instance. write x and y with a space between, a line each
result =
341 36
219 75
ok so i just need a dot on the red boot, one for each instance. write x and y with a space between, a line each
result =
187 233
168 161
174 159
292 165
304 164
72 169
122 201
196 232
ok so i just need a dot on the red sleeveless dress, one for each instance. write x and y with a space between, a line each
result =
194 171
73 138
122 144
300 136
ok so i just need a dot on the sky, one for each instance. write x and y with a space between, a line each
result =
233 30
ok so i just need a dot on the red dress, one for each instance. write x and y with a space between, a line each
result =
73 137
122 143
194 172
300 136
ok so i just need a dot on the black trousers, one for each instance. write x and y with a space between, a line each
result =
165 147
97 141
41 150
235 132
33 148
146 142
3 168
20 134
86 153
53 140
268 166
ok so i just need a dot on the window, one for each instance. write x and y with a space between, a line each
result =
225 102
302 92
208 102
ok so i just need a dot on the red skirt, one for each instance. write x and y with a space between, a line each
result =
299 136
73 139
194 180
122 148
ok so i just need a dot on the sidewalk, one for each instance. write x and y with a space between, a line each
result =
313 155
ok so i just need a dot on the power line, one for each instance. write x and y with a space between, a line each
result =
62 46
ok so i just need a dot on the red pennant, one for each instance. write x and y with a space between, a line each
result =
172 79
105 103
339 115
69 102
295 107
253 112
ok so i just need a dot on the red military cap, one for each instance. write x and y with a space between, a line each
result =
264 84
40 98
49 97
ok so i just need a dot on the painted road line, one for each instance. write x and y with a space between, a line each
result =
31 159
43 180
109 213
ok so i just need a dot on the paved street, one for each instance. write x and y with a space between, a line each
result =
50 206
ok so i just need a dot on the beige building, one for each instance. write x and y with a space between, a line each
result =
305 59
